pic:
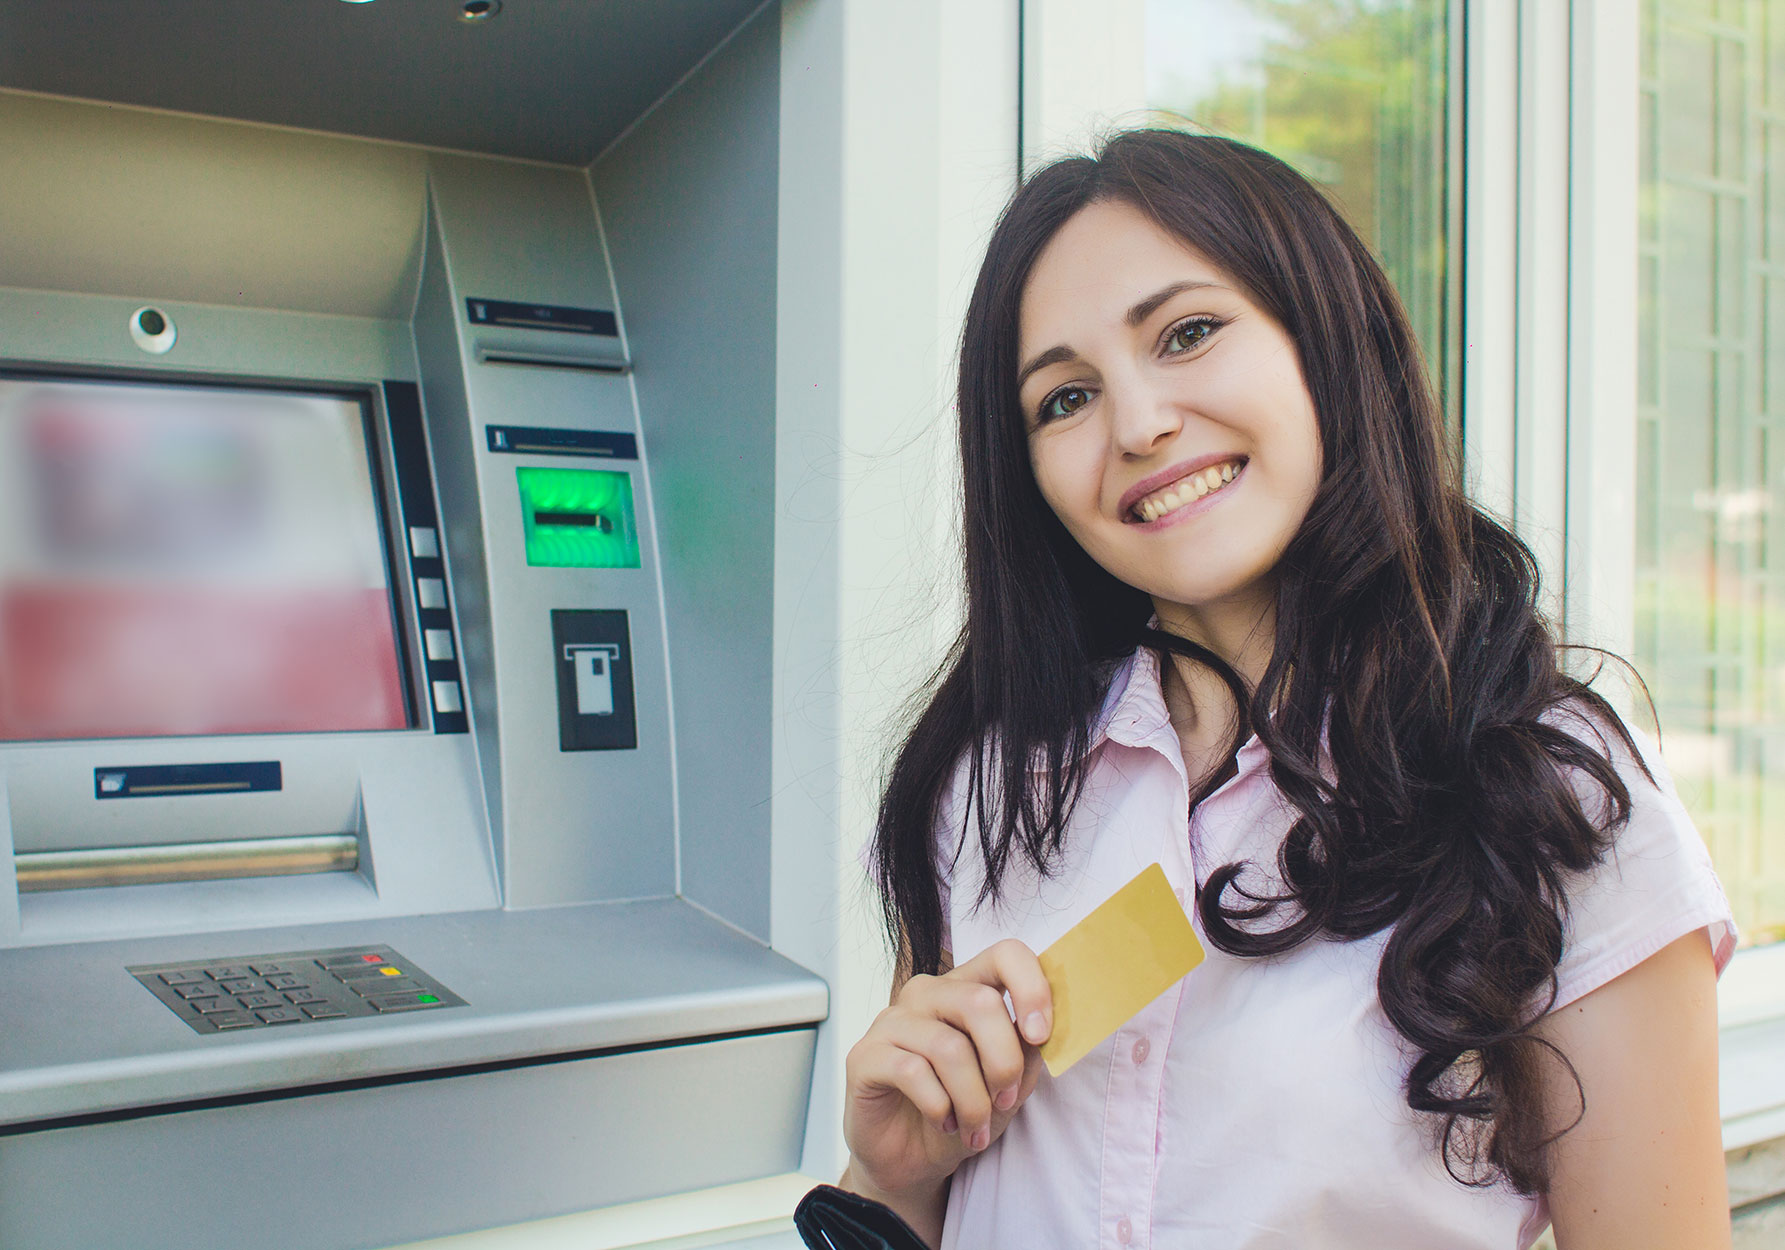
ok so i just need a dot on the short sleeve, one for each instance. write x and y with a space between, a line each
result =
1654 886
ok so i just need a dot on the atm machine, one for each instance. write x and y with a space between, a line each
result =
385 619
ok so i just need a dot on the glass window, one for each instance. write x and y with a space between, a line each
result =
1354 94
1710 536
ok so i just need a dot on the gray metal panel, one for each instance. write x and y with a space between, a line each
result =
419 821
130 202
9 894
408 793
85 331
375 1166
584 825
446 412
688 203
552 80
82 1036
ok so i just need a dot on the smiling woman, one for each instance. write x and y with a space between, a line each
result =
1230 612
1159 396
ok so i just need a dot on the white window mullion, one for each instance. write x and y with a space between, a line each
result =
1603 330
1084 75
1489 253
1541 422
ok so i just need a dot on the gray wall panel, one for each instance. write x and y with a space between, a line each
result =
689 205
392 1163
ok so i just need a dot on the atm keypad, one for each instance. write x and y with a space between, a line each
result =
261 991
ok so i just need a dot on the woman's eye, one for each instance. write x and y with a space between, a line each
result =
1064 402
1188 334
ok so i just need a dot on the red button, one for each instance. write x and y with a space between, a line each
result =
373 959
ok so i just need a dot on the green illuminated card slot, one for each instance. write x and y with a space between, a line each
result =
583 520
578 518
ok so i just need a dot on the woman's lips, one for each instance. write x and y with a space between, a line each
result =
1185 486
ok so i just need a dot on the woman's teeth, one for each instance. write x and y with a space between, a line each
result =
1186 490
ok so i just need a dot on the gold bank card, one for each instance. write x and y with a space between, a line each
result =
1134 947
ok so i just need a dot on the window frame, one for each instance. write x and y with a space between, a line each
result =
1535 191
1546 315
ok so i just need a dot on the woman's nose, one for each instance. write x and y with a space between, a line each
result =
1140 418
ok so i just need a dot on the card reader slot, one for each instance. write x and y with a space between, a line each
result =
583 520
186 861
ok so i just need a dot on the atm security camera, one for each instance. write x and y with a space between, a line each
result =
153 330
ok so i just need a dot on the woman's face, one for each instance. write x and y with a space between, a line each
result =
1169 426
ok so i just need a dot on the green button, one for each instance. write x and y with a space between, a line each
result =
427 998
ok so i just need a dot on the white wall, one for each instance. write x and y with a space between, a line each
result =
898 147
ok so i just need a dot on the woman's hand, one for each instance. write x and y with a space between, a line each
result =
939 1076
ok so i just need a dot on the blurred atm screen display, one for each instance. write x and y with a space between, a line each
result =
190 560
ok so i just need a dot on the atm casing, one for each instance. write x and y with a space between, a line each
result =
604 913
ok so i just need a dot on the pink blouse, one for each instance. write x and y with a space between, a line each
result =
1257 1105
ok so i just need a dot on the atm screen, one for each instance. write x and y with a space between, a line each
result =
190 560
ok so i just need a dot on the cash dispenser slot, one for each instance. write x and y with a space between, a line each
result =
187 861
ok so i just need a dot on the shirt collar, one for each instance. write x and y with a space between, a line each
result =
1134 714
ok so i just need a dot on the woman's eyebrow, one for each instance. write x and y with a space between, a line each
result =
1052 356
1150 305
1139 313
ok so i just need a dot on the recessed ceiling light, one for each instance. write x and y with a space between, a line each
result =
356 1
479 10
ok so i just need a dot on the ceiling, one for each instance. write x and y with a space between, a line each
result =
547 80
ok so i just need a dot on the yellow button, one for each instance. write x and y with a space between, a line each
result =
391 972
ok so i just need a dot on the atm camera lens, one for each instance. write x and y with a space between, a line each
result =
478 10
152 330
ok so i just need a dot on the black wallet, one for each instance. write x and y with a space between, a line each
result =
829 1218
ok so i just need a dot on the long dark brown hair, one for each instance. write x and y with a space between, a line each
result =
1407 625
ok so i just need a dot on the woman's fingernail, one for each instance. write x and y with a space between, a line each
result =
1006 1098
950 1125
1035 1028
982 1139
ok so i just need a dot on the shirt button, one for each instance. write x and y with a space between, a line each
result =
1142 1049
1124 1231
